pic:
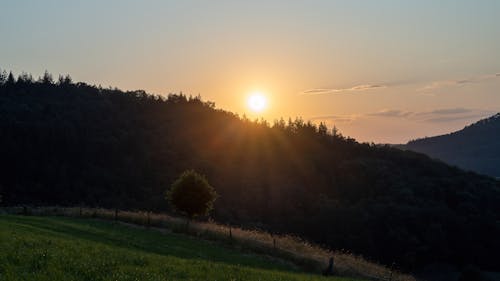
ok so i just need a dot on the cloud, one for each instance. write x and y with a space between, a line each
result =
439 115
445 83
391 113
323 91
365 87
426 89
434 116
347 118
459 82
453 114
447 111
408 114
444 119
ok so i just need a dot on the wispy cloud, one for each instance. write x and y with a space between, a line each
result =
440 115
391 113
452 115
447 111
459 82
436 115
323 91
445 119
345 118
427 88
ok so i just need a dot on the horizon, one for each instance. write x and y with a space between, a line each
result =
384 72
255 119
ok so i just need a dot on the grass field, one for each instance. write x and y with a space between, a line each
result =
60 248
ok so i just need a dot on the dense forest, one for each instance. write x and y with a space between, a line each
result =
66 143
475 147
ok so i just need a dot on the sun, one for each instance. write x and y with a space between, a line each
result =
257 102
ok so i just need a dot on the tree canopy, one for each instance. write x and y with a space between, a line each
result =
191 194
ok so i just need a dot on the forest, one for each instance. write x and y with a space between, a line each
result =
66 143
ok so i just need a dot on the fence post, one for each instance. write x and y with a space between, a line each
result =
274 240
149 219
392 270
329 270
230 233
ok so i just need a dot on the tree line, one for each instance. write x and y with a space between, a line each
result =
67 143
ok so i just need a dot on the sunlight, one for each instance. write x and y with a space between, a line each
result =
257 102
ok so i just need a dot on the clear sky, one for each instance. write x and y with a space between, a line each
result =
382 71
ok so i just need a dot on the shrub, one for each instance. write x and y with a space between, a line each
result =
191 194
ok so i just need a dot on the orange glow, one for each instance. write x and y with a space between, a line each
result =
257 102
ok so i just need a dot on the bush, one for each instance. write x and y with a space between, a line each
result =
191 194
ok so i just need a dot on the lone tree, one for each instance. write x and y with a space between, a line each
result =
191 194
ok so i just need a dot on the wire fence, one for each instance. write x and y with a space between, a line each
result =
303 254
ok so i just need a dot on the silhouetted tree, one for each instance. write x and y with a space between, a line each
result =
279 124
322 129
3 77
10 79
191 194
47 78
64 80
24 78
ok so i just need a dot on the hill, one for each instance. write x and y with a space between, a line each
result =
65 143
475 147
56 248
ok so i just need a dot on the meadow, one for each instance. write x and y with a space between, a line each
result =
75 144
140 245
57 248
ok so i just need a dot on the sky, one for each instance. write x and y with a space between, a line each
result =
384 71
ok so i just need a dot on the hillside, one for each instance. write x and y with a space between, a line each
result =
475 147
55 248
73 144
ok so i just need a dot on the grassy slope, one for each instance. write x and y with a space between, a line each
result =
57 248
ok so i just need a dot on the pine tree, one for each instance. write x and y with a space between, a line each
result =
3 77
47 78
10 79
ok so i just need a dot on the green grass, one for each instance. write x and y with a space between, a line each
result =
59 248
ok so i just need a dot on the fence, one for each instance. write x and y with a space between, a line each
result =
306 255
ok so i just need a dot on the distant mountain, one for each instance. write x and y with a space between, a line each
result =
475 147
